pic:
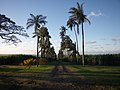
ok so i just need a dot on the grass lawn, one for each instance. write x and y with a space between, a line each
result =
79 78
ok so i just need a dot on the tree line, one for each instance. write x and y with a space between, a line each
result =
106 59
14 59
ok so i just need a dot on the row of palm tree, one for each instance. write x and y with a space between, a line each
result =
68 48
36 21
42 34
78 18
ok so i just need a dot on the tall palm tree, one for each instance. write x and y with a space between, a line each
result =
71 23
36 21
80 18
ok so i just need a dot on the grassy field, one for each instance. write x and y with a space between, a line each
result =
79 78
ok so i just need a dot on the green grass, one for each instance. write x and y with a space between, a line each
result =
107 77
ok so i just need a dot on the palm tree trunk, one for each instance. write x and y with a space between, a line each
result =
37 45
76 42
37 49
83 58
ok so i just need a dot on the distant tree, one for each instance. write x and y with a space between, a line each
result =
50 53
36 21
62 35
68 48
60 54
44 40
62 32
9 30
71 23
44 43
80 18
62 45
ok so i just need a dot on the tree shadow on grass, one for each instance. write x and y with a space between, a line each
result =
43 81
5 68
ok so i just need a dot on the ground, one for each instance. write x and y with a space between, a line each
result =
78 78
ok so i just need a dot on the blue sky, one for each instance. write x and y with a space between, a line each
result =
102 36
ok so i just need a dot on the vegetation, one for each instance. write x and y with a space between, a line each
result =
36 21
77 14
71 24
9 30
47 51
68 48
107 60
63 72
88 77
13 59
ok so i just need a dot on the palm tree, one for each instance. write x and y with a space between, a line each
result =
71 23
62 35
80 18
36 21
62 32
44 40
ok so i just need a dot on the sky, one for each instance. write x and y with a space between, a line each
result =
102 36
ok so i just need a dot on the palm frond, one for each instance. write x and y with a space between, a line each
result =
78 6
82 8
73 10
40 16
29 25
44 17
73 17
32 15
70 23
86 19
34 36
42 22
70 26
30 20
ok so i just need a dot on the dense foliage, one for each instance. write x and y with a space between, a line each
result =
9 31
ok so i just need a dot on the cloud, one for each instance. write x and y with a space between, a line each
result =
94 14
103 39
116 39
108 44
91 42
